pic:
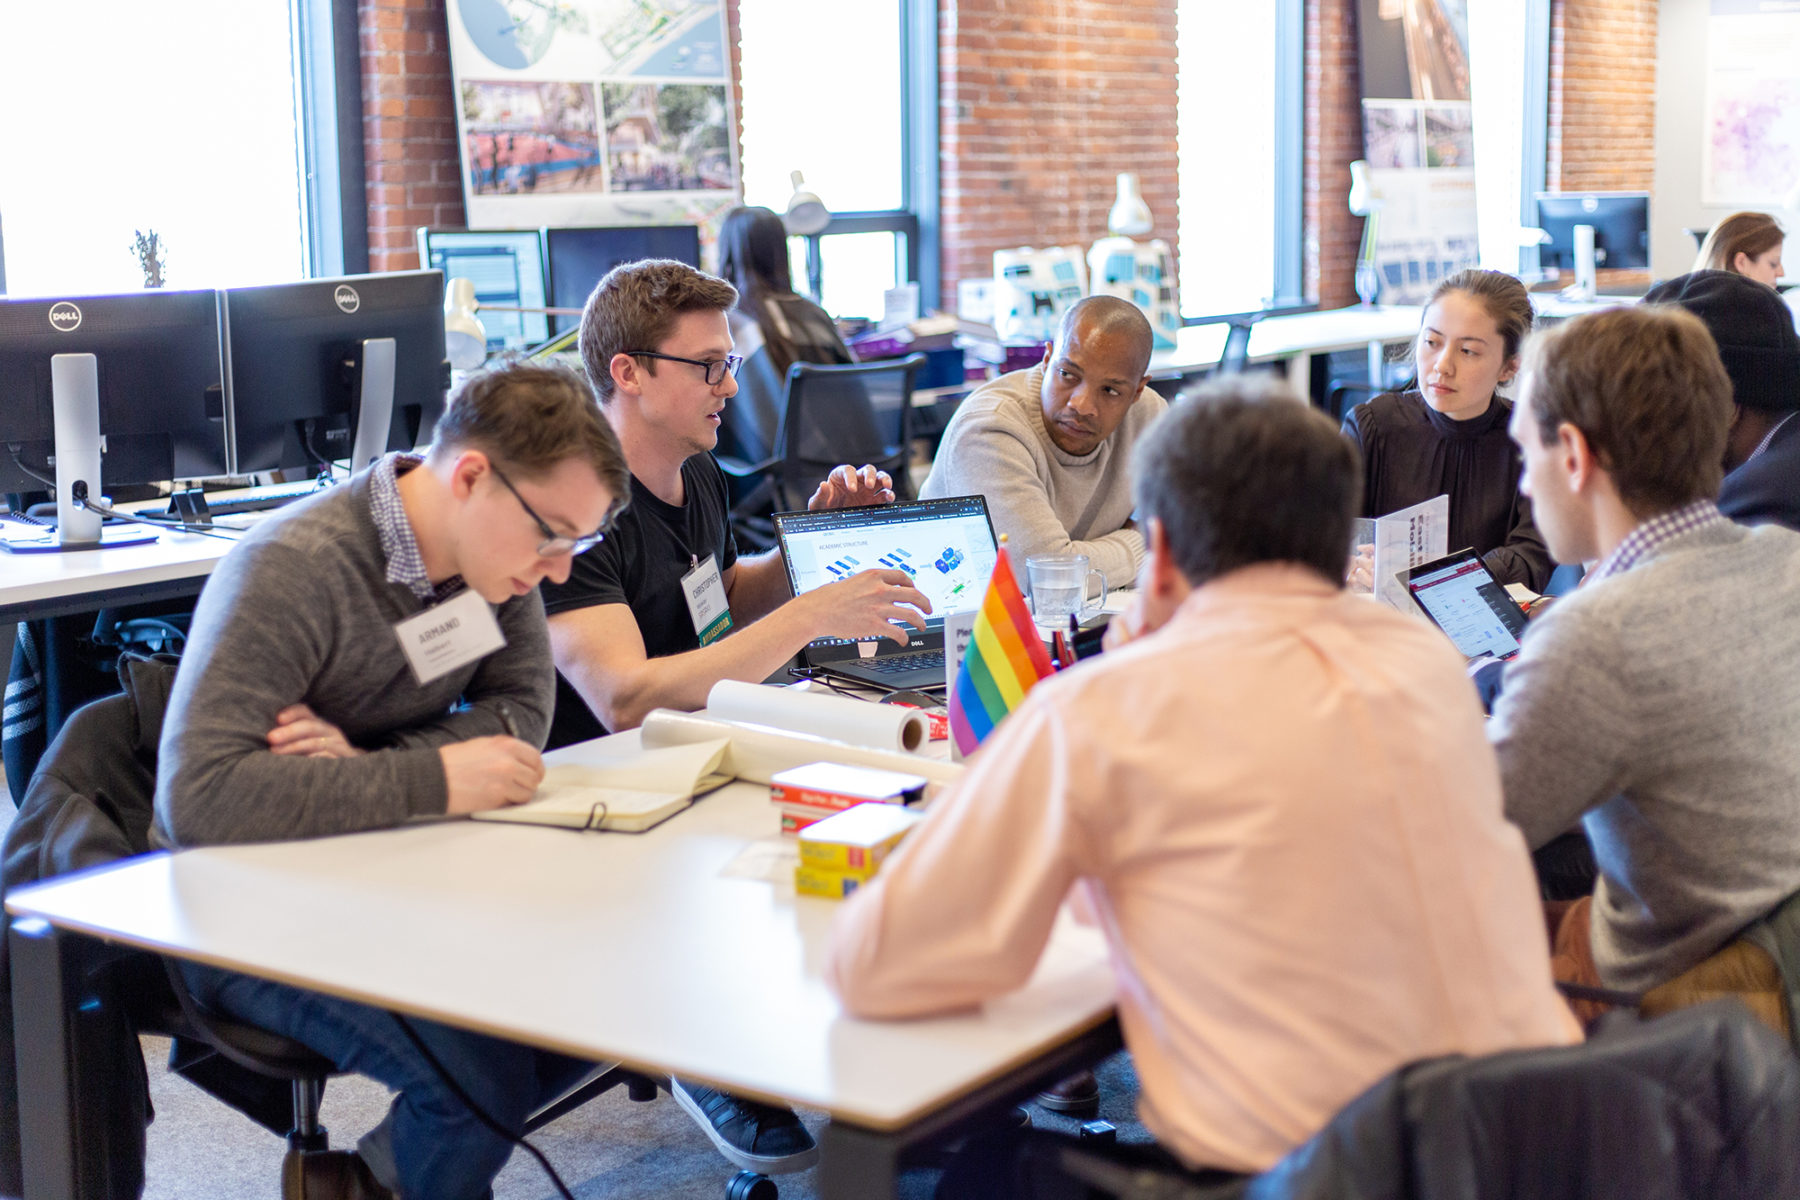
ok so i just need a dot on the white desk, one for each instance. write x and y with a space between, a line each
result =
1292 340
606 946
34 586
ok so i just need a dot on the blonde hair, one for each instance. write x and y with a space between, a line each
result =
1748 233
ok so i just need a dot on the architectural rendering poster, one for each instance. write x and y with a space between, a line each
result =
1419 141
593 112
1751 156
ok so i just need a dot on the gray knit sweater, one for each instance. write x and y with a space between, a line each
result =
996 446
1664 704
302 612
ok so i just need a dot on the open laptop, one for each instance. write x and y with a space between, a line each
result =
947 546
1464 599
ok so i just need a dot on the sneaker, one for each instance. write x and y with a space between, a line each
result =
1078 1094
751 1136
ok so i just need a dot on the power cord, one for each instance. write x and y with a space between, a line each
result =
82 500
25 470
480 1113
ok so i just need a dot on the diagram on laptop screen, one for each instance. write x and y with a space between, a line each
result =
949 559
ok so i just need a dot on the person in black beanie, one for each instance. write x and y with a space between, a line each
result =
1754 330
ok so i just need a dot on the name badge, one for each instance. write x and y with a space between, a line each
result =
707 605
449 635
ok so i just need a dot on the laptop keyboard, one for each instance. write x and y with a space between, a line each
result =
893 664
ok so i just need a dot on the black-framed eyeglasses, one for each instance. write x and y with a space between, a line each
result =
716 368
554 544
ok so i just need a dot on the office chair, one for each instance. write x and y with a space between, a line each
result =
1236 354
857 413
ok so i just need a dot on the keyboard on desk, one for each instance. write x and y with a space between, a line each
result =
259 499
918 660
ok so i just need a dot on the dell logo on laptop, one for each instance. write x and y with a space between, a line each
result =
65 317
346 298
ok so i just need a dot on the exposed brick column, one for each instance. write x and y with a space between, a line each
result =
409 127
1042 103
1602 95
1333 234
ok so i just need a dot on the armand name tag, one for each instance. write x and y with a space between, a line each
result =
449 635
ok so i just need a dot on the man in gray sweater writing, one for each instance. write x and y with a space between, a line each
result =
1657 705
378 652
1050 447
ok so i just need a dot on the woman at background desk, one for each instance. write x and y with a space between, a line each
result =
1446 434
1745 243
772 326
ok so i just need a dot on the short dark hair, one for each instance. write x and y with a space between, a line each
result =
636 304
1111 317
533 417
1645 387
1246 472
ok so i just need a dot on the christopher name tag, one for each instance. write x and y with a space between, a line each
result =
449 635
707 606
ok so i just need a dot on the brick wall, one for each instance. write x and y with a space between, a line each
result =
1041 104
409 127
1332 233
1602 95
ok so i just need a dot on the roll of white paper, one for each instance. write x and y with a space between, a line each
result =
881 726
758 752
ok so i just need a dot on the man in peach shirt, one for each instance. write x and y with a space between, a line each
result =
1282 802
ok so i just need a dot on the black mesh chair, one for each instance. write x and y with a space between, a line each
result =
859 413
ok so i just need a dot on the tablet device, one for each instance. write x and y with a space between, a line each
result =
1463 599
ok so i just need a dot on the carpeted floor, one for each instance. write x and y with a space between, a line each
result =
612 1148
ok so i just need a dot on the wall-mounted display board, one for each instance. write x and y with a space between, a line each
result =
593 112
1751 151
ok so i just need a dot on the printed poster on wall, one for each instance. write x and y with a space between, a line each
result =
1419 142
1751 156
593 112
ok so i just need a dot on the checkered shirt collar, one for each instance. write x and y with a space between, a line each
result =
1769 437
405 565
1649 535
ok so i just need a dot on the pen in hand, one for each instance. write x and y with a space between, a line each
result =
506 719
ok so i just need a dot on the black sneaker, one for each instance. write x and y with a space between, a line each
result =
751 1136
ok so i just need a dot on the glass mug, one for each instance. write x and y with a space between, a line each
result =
1059 585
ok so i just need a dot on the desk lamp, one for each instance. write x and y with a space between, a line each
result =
807 217
465 341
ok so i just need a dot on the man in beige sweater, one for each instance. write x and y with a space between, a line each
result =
1050 447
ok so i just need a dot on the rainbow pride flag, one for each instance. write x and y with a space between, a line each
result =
1004 659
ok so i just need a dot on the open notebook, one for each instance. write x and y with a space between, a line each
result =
628 796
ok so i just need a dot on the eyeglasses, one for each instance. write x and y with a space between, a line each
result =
554 544
716 368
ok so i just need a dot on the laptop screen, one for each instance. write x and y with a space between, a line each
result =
1466 602
947 546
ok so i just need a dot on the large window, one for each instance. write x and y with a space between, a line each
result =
825 94
121 116
1238 154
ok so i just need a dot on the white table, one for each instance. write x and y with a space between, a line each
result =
1292 340
36 586
638 948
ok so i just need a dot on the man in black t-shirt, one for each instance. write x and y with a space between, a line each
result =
664 608
643 621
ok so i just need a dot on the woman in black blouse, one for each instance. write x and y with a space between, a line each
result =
1446 434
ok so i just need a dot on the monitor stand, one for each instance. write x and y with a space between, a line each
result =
75 408
374 401
1586 286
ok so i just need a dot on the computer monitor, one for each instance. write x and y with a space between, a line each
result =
158 363
507 268
1621 225
314 366
580 258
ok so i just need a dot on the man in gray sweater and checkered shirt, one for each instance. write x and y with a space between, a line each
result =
1658 705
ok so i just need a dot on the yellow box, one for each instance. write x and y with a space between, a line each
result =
833 885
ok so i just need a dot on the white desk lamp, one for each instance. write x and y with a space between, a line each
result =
465 341
1130 216
807 217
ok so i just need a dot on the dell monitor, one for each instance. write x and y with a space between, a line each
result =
1620 233
334 371
136 377
507 268
580 258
